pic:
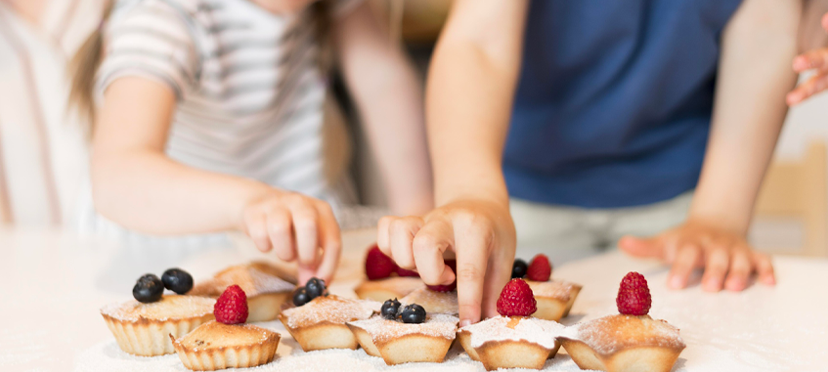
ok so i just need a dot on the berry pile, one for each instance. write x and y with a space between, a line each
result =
150 288
231 306
517 299
538 270
393 310
312 289
379 266
634 295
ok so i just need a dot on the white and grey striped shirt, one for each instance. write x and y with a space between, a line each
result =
249 90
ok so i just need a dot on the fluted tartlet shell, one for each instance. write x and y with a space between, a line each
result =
149 337
228 357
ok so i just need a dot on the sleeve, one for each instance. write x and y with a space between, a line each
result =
151 39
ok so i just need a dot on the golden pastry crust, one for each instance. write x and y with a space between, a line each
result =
143 328
385 289
621 343
213 346
433 301
397 342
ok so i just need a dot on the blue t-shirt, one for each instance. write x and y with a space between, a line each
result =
614 101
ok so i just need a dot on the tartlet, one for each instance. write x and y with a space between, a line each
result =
144 328
396 342
266 286
213 346
320 323
433 301
624 343
511 341
555 298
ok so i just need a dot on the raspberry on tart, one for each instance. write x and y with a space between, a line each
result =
555 298
406 334
385 278
144 328
320 323
627 342
514 339
266 286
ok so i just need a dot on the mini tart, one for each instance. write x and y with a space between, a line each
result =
432 301
624 343
214 346
266 287
396 342
320 324
555 298
144 328
511 342
383 289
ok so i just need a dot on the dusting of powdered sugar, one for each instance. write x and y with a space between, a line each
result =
382 330
610 334
168 308
332 308
534 330
433 301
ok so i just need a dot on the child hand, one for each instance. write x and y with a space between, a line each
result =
480 233
295 226
726 257
814 59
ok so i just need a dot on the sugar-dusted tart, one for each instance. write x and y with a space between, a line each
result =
433 301
144 328
397 342
631 341
555 298
320 323
393 287
213 346
267 288
511 341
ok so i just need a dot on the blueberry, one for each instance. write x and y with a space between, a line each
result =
149 288
315 287
413 314
390 309
301 296
177 280
519 268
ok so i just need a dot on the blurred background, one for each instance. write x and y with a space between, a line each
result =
43 154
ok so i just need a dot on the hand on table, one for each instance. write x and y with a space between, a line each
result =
480 233
814 59
726 257
295 226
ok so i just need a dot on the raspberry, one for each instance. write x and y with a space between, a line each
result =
634 295
516 299
447 287
539 269
378 265
404 272
231 306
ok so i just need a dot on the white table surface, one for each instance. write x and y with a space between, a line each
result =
53 284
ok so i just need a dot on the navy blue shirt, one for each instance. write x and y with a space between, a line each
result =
614 101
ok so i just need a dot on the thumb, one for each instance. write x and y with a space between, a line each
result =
640 247
825 21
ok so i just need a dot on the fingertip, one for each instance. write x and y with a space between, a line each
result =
465 322
825 21
676 282
712 285
800 63
735 284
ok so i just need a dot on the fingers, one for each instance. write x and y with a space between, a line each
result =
255 223
716 266
383 234
740 270
639 247
764 267
810 87
814 59
280 233
306 233
473 241
401 237
331 241
686 258
825 21
434 238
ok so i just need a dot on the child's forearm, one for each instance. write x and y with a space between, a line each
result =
388 94
754 76
148 192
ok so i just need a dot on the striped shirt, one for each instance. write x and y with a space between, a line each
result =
248 85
